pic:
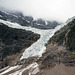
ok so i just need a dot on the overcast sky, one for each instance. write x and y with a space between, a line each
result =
47 9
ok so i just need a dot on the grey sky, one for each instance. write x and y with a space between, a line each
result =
47 9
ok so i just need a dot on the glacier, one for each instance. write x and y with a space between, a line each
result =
37 48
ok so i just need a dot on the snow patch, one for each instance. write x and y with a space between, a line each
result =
38 24
30 68
70 19
9 69
34 69
46 22
4 69
28 21
0 15
14 15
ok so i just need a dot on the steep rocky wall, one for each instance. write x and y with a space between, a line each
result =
65 36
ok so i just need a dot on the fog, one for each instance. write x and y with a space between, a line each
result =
59 10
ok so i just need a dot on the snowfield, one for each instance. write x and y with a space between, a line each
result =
38 48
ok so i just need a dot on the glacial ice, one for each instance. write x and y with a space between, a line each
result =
37 48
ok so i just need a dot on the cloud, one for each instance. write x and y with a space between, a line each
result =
47 9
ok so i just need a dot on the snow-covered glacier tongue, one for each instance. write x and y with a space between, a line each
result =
37 48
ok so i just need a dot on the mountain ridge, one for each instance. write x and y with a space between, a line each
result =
19 18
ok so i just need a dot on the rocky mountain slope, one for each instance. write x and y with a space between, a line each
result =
59 53
13 42
60 50
19 18
65 36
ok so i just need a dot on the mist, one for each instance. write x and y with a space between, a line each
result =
59 10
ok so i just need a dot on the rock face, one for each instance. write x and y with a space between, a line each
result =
65 36
60 48
19 18
13 41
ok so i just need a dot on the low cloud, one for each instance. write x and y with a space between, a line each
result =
48 9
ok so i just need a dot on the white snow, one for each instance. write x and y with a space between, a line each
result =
38 24
23 18
9 24
9 69
5 12
14 15
70 19
31 66
46 22
28 21
34 69
4 68
38 47
0 15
